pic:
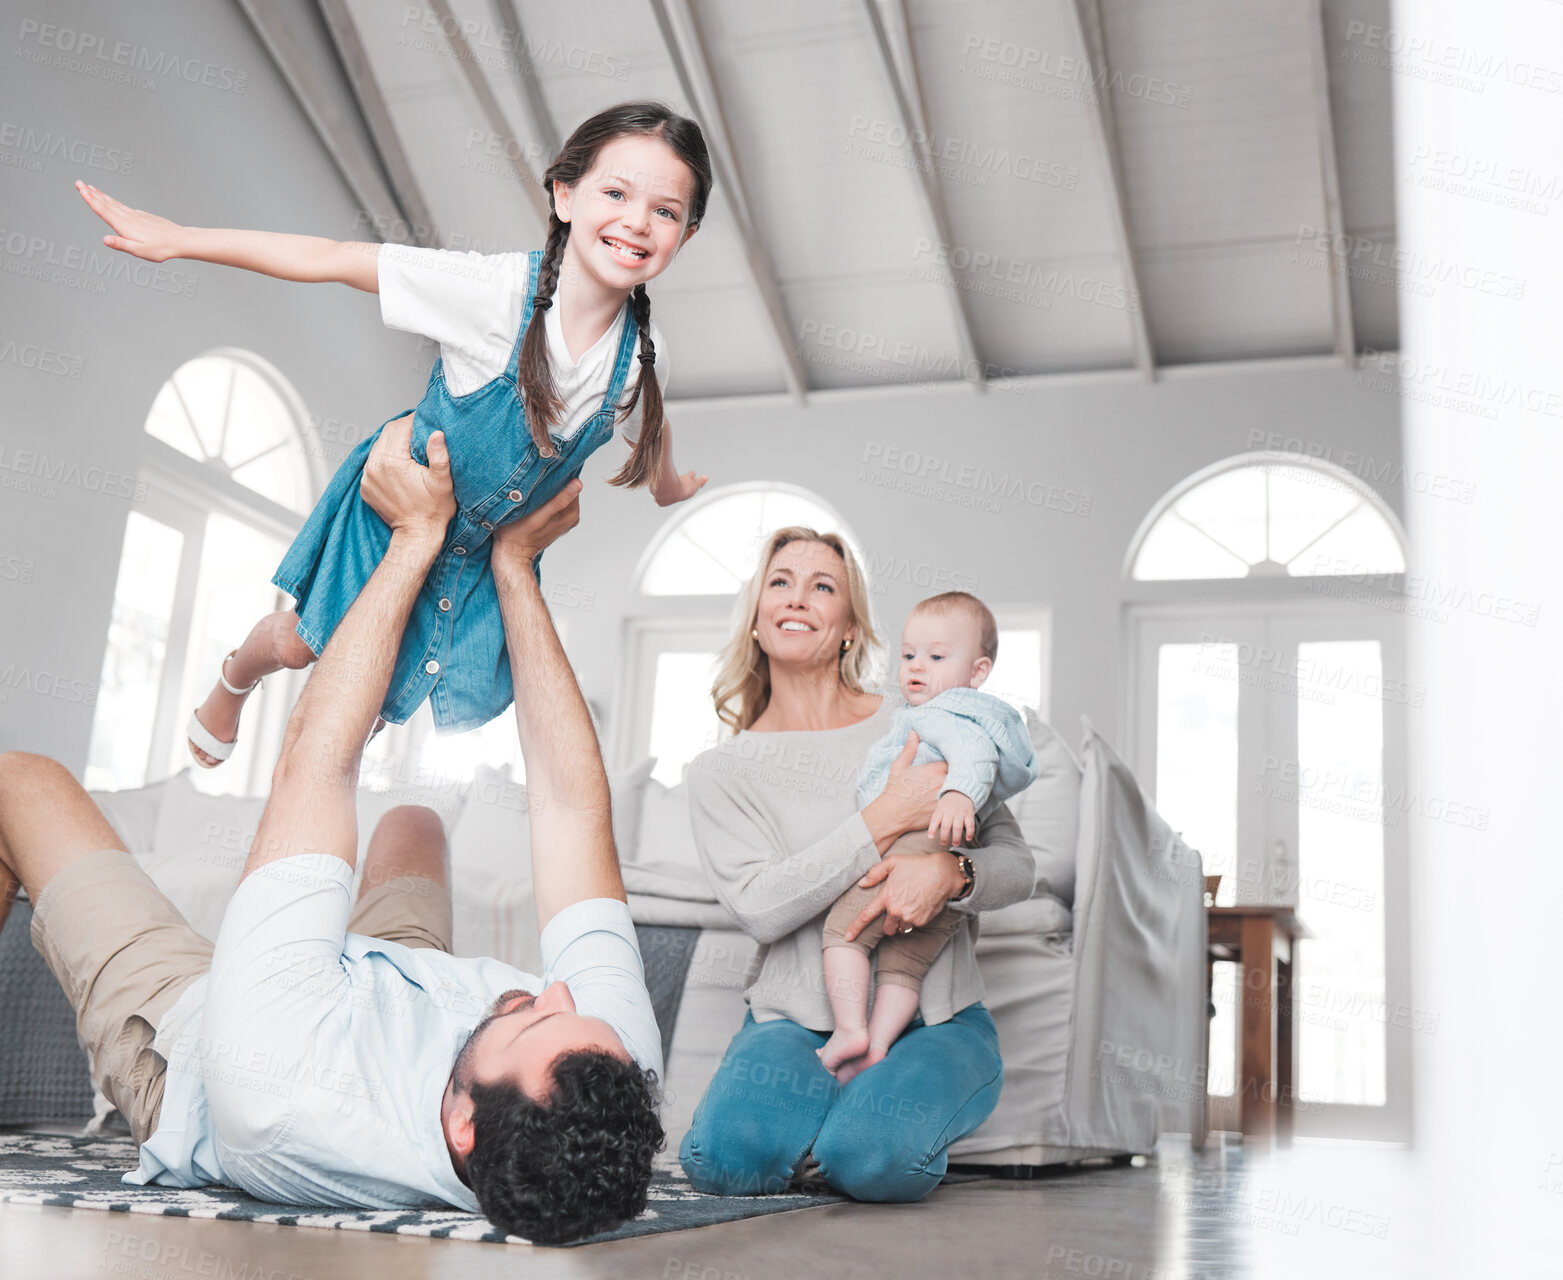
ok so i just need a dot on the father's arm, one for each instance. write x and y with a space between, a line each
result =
573 856
312 806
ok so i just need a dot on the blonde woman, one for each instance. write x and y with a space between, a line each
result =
778 828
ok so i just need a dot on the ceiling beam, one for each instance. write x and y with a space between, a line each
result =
539 118
1329 176
686 51
344 137
377 115
1092 38
908 108
493 114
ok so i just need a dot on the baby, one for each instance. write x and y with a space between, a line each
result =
948 646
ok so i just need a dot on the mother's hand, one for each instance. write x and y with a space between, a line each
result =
916 887
908 799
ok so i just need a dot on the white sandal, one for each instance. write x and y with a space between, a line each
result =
198 735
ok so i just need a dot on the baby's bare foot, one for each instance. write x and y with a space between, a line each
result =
876 1053
845 1043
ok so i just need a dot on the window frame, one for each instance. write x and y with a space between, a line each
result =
1270 457
182 492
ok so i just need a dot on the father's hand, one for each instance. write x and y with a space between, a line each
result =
525 537
408 496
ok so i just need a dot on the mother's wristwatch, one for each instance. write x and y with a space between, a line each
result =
967 870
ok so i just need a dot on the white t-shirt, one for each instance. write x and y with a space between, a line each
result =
315 1071
470 303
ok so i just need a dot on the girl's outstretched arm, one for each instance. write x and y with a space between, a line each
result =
287 257
668 486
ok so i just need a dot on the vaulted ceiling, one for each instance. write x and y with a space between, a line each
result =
910 190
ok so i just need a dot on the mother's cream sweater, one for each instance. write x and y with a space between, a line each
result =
777 826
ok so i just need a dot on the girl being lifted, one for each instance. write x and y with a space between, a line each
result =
536 352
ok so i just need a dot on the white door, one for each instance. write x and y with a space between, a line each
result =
1273 738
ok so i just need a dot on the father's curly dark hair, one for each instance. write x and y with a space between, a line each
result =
577 1166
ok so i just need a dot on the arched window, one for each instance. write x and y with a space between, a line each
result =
709 550
1267 515
238 415
1266 721
227 478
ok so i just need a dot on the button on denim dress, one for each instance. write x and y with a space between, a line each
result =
453 651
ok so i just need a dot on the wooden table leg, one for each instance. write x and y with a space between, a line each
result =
1257 1026
1285 1049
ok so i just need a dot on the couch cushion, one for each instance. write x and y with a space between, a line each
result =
665 862
1048 811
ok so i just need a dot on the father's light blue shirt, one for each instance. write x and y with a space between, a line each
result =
315 1072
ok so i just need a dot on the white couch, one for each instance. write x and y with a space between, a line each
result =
1096 983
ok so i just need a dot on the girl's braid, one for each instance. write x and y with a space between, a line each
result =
641 466
539 393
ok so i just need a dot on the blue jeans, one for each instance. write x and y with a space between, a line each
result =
883 1137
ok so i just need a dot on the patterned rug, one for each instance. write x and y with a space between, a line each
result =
84 1173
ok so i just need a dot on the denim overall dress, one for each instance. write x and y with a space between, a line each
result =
453 651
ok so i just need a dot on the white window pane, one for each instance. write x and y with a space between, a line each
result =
1362 543
133 661
168 421
685 568
233 592
1173 549
260 443
1340 796
1304 503
1196 752
1267 515
711 549
1017 672
1230 508
222 409
683 721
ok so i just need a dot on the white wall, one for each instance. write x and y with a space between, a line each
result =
201 154
1108 450
1486 902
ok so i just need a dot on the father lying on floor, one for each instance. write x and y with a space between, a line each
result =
328 1053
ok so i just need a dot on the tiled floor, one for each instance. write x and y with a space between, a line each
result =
1312 1211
